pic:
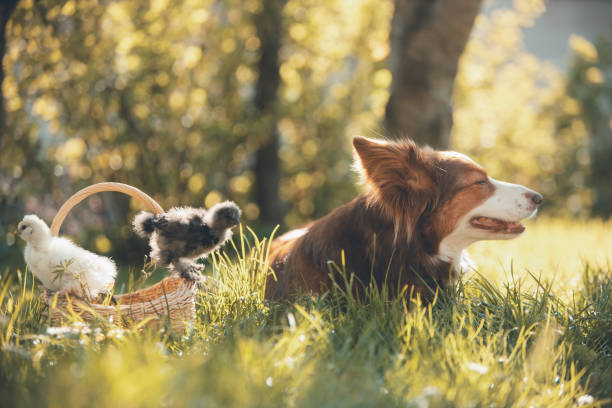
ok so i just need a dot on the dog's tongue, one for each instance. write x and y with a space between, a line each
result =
489 222
495 224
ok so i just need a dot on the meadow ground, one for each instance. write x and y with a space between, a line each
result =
532 327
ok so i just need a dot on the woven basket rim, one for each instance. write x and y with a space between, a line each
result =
169 284
83 193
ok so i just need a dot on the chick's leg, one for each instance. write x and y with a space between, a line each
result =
188 269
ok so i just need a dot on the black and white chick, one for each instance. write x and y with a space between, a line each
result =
184 234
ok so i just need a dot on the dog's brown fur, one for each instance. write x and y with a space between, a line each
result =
392 231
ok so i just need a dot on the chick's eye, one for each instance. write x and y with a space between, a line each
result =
23 227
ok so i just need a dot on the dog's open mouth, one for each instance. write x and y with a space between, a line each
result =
495 225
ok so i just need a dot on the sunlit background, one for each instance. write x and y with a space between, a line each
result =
159 95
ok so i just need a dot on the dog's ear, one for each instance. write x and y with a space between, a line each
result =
369 153
398 177
399 165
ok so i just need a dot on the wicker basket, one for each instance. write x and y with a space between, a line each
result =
172 299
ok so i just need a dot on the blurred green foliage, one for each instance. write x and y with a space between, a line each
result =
513 115
590 83
159 94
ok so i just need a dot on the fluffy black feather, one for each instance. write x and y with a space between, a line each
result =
144 224
183 234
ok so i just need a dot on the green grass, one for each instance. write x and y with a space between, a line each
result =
535 334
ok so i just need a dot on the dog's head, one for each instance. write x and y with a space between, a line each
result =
444 197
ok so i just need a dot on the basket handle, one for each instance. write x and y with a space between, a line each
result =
82 194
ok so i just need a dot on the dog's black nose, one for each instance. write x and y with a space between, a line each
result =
537 198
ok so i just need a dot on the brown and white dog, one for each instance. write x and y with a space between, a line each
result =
420 210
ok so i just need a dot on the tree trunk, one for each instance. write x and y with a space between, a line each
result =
427 39
267 163
6 10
